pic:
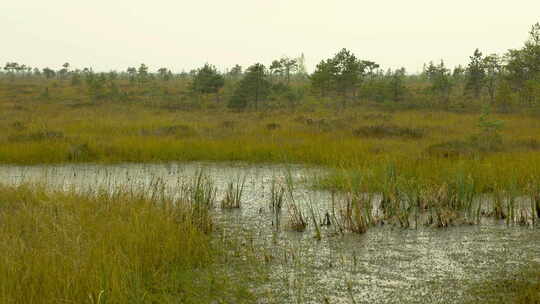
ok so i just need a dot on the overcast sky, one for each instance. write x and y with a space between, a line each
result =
184 34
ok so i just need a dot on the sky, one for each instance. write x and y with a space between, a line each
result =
185 34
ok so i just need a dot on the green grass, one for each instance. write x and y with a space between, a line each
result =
63 247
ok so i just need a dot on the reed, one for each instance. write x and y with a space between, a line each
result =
233 194
277 196
199 193
297 219
315 216
355 213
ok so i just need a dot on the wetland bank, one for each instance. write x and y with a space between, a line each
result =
262 250
271 185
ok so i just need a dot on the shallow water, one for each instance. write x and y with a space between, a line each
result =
384 265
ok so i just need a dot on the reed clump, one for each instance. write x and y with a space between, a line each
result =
457 196
297 219
233 195
199 194
277 198
354 213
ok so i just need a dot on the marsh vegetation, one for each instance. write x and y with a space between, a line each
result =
351 184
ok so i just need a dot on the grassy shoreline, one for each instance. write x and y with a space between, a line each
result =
125 247
108 248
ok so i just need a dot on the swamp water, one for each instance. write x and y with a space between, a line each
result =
384 265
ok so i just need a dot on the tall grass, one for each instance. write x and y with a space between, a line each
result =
356 212
103 247
199 193
412 199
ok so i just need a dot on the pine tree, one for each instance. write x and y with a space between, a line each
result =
252 89
207 80
476 74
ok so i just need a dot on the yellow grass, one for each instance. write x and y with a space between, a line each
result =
60 247
148 130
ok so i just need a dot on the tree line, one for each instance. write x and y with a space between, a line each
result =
499 80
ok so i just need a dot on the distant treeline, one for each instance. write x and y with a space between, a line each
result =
503 81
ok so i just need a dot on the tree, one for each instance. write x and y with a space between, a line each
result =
49 73
441 83
323 77
493 69
349 73
12 68
252 89
36 72
112 75
523 66
284 67
476 74
207 80
236 71
397 88
183 75
132 74
369 68
275 68
96 85
64 71
142 73
459 74
341 74
164 74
